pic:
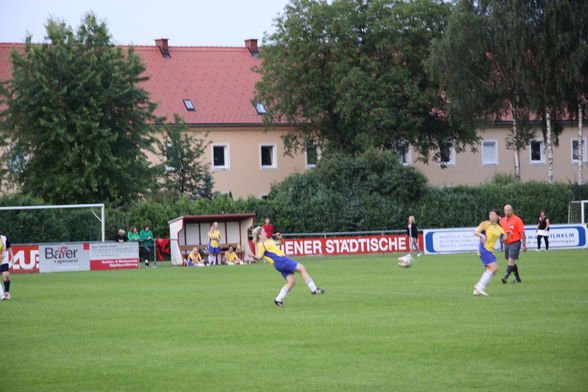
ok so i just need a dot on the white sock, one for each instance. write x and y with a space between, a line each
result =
283 293
311 285
1 289
486 276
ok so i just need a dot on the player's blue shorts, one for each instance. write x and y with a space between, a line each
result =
285 265
486 256
213 250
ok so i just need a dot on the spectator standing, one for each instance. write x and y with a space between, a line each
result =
413 236
514 227
6 255
146 244
543 230
268 228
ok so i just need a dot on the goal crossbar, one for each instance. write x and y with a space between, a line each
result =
101 206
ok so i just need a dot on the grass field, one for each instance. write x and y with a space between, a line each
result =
378 328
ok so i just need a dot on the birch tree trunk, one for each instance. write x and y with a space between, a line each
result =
549 147
517 157
580 144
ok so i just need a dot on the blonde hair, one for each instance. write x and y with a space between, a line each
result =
255 233
411 219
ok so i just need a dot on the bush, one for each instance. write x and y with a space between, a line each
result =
345 193
342 194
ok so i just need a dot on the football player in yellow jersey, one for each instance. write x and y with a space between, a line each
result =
489 232
194 259
231 257
214 236
267 249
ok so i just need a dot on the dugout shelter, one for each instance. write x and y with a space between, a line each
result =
188 232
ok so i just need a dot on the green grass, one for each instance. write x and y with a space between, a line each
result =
378 328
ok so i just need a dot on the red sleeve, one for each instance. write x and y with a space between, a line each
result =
520 226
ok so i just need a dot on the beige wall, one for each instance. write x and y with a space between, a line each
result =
470 170
244 175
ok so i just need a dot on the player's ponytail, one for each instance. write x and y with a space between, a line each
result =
255 233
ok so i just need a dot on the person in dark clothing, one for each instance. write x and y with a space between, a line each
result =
543 230
413 236
120 236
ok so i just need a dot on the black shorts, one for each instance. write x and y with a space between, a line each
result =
512 250
4 268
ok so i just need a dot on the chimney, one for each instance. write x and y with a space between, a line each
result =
163 48
251 44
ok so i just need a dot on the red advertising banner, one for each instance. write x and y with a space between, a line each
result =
26 259
96 265
347 245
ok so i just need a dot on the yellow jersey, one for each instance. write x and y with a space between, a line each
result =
213 238
2 249
230 256
269 250
492 231
194 258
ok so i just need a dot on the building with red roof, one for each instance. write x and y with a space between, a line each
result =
212 88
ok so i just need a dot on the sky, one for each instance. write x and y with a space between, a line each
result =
140 22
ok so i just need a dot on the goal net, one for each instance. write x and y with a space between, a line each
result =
577 211
53 223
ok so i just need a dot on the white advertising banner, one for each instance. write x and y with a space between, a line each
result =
114 255
462 239
64 257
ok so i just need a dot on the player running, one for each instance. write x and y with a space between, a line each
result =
267 249
489 231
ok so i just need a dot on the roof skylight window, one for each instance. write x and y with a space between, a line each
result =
260 108
189 105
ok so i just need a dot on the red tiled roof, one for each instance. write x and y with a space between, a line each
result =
219 81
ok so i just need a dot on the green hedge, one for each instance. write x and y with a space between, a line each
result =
369 194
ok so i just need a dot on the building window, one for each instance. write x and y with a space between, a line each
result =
260 108
168 152
311 154
489 152
537 151
189 105
402 149
267 156
447 155
220 157
575 156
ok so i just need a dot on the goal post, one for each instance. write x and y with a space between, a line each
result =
100 218
577 210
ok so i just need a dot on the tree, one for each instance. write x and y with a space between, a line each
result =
76 122
182 171
368 191
351 75
576 73
551 42
478 61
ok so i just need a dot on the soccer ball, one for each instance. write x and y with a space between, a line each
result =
405 261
